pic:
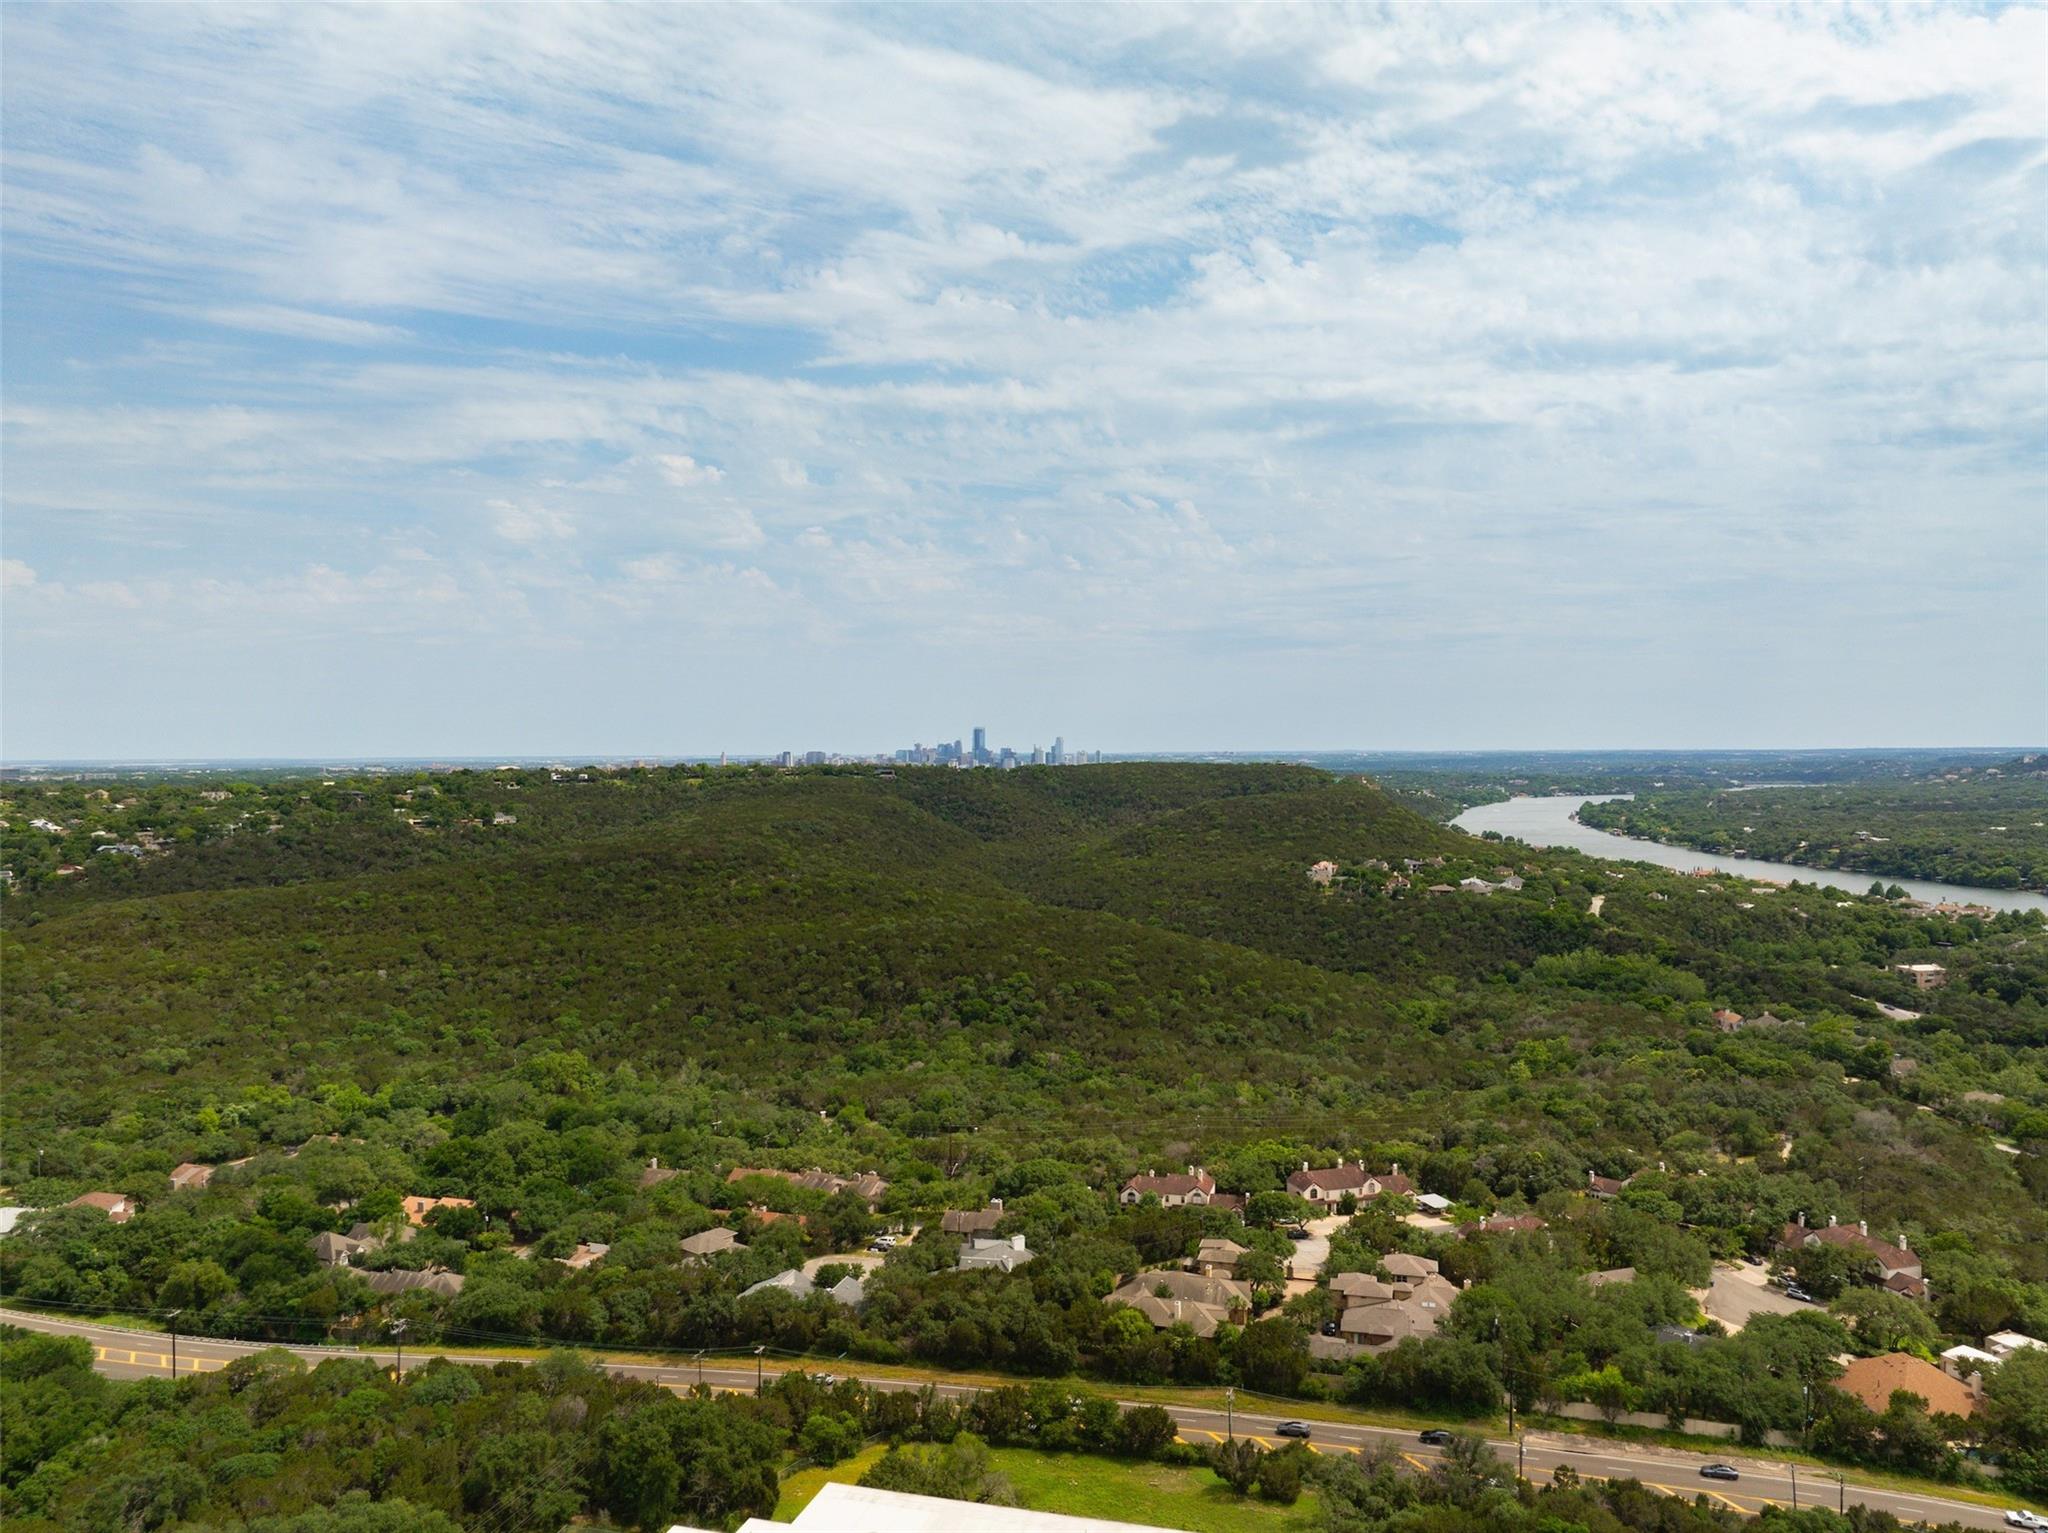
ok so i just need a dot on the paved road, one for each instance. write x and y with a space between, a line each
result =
132 1354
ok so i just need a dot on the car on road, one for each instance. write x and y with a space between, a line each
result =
1719 1472
1292 1429
1794 1291
1296 1232
1436 1437
2020 1518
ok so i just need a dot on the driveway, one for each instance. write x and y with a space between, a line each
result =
1313 1254
1740 1292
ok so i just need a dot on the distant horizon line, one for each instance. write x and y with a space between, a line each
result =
628 758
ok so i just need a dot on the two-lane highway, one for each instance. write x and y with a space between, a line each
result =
132 1354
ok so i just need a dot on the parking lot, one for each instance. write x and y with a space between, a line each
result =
1740 1292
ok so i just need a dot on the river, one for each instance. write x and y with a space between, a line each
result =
1550 821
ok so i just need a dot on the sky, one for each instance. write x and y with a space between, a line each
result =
671 379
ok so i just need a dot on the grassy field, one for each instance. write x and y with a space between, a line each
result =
1082 1485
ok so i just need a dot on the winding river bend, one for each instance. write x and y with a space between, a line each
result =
1551 821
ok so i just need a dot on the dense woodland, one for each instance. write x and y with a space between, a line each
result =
521 988
1985 827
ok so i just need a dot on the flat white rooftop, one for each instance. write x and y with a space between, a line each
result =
856 1509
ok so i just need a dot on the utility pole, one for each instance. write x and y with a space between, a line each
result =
757 1366
398 1336
1521 1458
700 1367
1795 1487
1230 1413
1842 1495
173 1318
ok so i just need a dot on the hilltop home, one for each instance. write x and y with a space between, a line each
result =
1332 1183
1925 976
1201 1303
1896 1264
1196 1188
417 1208
992 1253
190 1174
117 1206
1874 1380
1217 1258
711 1242
973 1221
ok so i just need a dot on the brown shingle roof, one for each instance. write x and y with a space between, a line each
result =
1874 1380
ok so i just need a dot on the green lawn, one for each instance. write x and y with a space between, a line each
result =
1083 1485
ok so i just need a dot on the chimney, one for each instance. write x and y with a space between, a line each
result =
1831 1221
1864 1226
1016 1242
1590 1178
996 1204
1304 1165
654 1163
1191 1168
1660 1167
1397 1168
1802 1218
1902 1243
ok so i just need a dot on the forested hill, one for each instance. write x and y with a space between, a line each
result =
1105 964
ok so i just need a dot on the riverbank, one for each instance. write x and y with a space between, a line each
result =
1552 821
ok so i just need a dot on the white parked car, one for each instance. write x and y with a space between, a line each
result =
2026 1521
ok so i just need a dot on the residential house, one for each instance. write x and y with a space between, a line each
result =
798 1285
1332 1183
706 1244
434 1280
1404 1268
1354 1288
417 1208
11 1216
584 1256
992 1253
656 1173
1411 1309
1432 1202
2002 1344
868 1186
1172 1298
332 1250
1874 1380
1504 1224
1605 1186
190 1174
973 1221
1893 1261
1197 1188
117 1206
1925 976
1217 1258
1968 1365
1322 872
1610 1277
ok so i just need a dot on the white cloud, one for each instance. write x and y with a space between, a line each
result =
15 575
1103 324
681 470
307 324
528 522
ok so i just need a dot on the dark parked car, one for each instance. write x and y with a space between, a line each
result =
1296 1232
1719 1472
1331 1328
1436 1437
1291 1429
